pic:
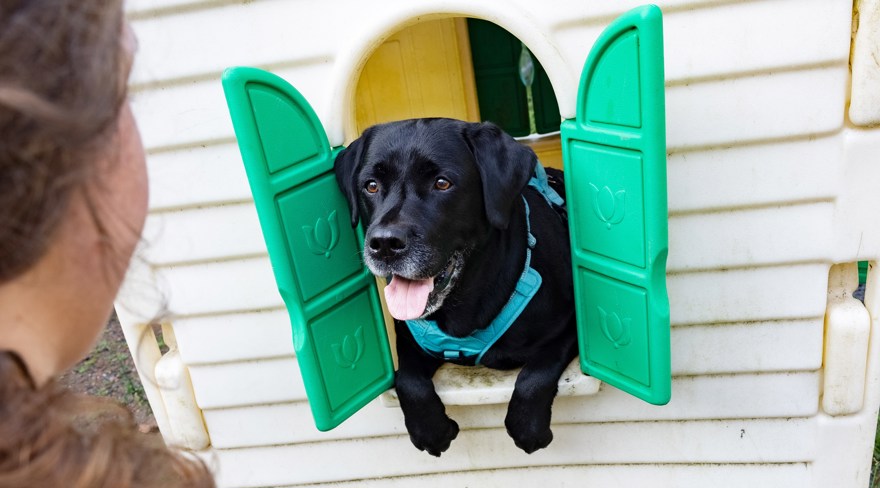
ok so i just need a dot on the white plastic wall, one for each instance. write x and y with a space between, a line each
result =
769 185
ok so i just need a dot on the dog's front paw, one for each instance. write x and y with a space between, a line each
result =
529 435
433 437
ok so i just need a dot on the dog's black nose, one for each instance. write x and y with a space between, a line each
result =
387 242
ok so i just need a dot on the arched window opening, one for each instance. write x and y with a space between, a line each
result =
462 68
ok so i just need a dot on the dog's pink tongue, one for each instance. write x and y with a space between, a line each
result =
407 299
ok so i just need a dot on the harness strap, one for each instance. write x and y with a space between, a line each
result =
542 184
441 345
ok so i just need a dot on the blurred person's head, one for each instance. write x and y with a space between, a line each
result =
73 198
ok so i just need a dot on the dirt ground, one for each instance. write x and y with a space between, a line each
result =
108 371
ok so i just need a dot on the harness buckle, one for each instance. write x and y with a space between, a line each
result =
449 355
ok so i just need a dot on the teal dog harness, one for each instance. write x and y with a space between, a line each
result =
444 346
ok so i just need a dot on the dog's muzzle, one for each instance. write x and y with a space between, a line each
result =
410 294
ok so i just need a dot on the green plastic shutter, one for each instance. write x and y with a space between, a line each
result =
615 160
338 330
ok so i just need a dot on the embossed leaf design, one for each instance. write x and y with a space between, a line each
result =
608 205
605 202
322 234
327 231
322 237
619 206
350 351
615 329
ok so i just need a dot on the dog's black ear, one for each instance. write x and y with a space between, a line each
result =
505 168
346 166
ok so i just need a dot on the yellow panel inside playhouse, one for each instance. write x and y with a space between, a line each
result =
422 71
426 70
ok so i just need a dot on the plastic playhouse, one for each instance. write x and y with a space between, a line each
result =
747 134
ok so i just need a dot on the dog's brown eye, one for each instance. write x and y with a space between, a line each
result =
371 186
442 184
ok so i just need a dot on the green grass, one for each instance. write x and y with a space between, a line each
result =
875 464
109 371
875 461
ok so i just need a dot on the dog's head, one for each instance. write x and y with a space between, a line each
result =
429 191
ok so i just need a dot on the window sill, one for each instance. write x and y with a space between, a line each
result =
548 148
477 385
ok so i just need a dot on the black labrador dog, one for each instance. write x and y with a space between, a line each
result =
449 219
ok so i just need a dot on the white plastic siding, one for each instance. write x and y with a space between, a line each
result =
756 101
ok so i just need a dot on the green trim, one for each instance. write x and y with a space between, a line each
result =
335 314
615 161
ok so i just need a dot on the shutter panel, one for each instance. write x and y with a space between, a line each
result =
338 329
615 160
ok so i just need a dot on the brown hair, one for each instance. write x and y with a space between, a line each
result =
62 85
51 437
